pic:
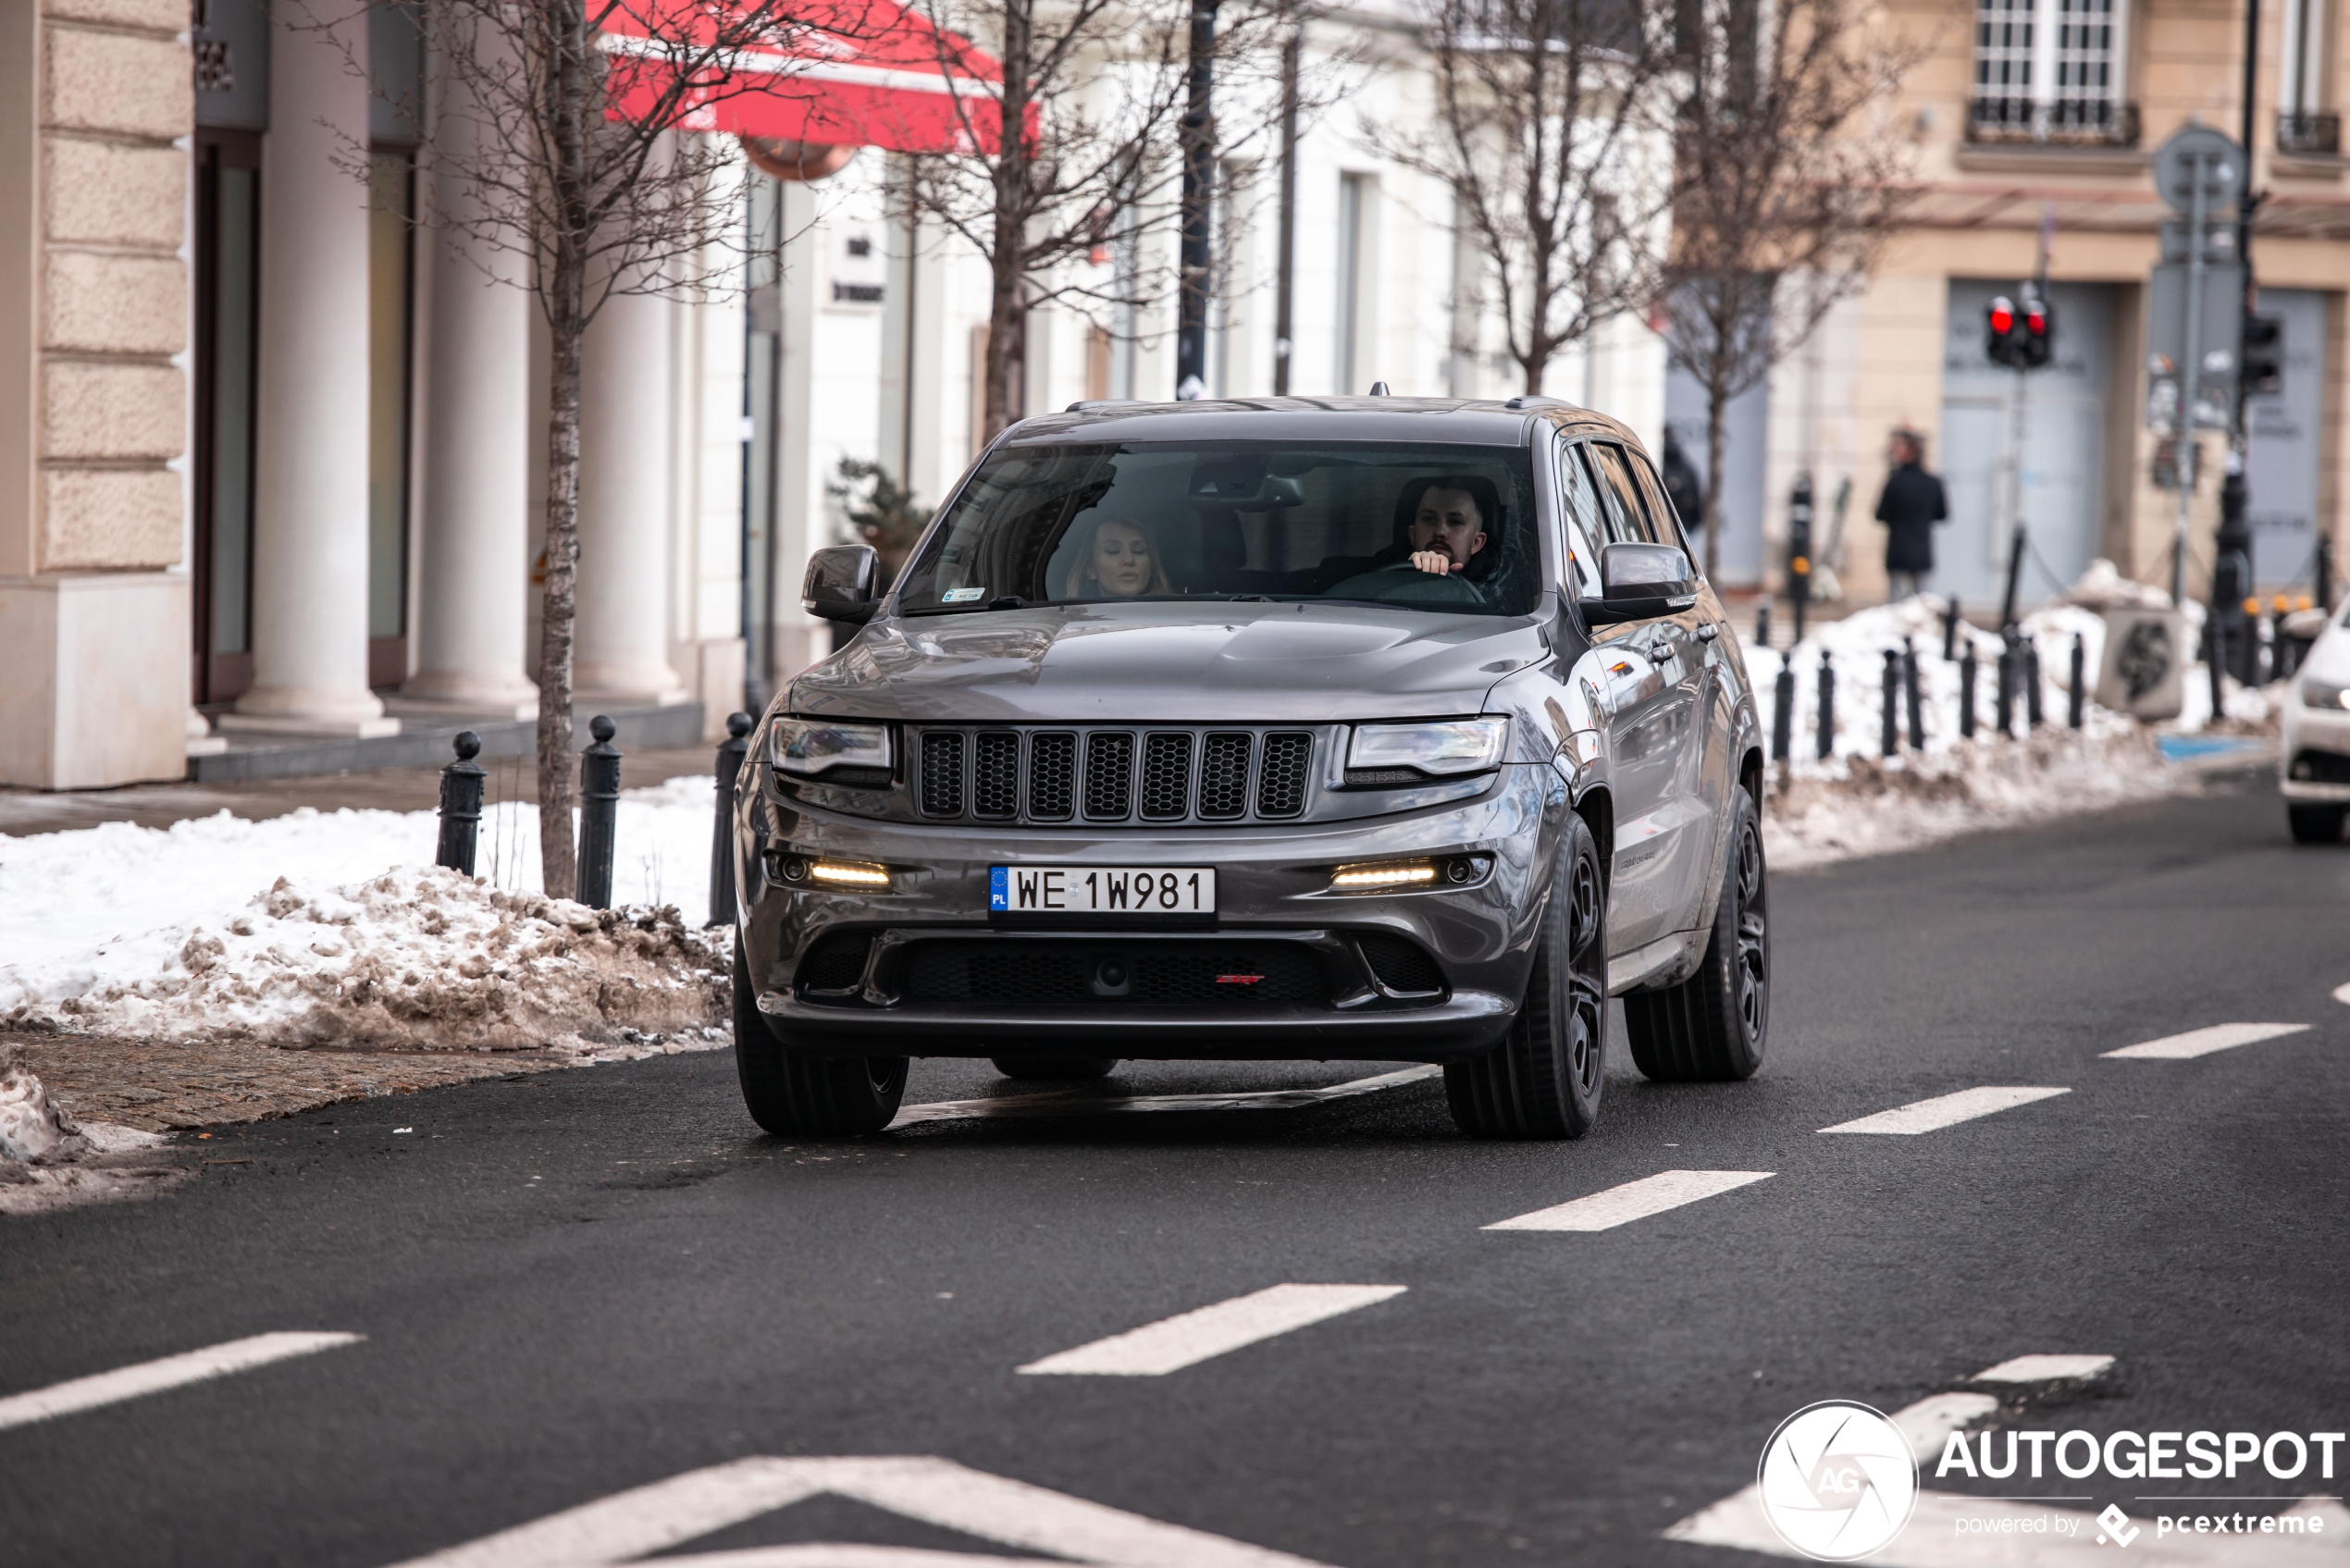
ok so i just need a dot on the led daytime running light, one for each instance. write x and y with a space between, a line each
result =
1397 873
844 873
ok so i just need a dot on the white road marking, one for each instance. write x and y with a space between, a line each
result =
1945 1110
1634 1200
631 1524
2341 994
1950 1530
1187 1338
2202 1042
155 1377
2048 1369
1085 1102
846 1554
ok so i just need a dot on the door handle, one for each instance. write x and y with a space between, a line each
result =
1660 651
1708 632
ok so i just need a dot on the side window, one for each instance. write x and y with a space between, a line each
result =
1617 483
1672 528
1580 505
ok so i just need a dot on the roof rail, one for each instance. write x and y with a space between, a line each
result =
1527 399
1089 405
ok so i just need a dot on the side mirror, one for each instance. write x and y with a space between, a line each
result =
1641 583
843 583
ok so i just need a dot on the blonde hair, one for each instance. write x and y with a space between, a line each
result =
1081 569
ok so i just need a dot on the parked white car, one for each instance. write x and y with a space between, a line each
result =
2313 765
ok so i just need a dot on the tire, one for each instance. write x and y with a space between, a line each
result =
1713 1027
1543 1080
1060 1070
794 1094
2315 825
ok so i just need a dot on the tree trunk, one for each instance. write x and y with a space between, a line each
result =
1007 252
556 859
1710 506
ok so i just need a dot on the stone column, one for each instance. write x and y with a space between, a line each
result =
309 479
624 492
477 516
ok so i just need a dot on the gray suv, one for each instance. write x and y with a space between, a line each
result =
1374 728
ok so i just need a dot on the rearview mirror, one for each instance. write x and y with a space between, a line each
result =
1641 583
842 583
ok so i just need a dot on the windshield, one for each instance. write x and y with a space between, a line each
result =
1443 528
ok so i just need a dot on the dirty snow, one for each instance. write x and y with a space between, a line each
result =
48 1160
1858 802
334 930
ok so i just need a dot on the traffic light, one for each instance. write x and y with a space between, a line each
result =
2263 355
2039 333
2000 335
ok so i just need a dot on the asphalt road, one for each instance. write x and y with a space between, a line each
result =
576 1284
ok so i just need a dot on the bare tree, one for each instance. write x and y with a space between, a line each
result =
570 129
1550 129
1788 185
1099 88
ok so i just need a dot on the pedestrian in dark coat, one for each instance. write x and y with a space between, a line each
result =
1681 487
1912 504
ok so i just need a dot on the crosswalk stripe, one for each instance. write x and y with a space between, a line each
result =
1945 1110
1187 1338
1087 1101
2047 1369
2202 1042
155 1377
1634 1200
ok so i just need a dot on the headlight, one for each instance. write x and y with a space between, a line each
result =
813 746
1455 745
2315 693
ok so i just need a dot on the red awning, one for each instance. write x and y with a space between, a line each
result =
864 73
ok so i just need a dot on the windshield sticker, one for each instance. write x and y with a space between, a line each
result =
961 596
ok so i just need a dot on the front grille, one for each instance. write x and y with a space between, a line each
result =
1040 974
1401 964
943 774
1113 774
835 964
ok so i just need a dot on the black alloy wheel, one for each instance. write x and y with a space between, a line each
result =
1714 1025
798 1093
1544 1078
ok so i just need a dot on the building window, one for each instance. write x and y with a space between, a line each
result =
390 219
2304 122
227 254
2051 71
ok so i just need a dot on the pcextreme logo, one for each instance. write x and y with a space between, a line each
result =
1837 1481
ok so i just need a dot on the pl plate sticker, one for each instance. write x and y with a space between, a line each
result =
961 596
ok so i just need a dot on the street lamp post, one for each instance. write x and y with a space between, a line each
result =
1199 186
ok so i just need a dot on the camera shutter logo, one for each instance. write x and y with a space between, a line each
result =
1837 1481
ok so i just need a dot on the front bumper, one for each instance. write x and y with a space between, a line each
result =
2320 742
1274 901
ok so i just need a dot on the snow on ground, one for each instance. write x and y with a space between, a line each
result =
1858 802
320 929
48 1160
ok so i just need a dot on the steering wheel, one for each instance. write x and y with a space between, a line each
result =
1402 583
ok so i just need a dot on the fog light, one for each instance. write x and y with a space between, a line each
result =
1394 873
847 874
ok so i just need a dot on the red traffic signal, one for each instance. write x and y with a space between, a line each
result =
2039 334
2000 331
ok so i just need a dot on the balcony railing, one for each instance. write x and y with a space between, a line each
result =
2308 131
2057 122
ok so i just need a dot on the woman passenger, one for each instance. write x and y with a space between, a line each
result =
1114 560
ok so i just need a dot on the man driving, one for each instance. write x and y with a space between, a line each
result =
1446 529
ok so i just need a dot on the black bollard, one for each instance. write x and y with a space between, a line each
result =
1950 631
1910 686
2032 693
599 814
461 785
2005 708
1762 624
1889 722
1782 716
2077 697
1968 666
1827 708
722 832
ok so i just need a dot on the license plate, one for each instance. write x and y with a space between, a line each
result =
1101 889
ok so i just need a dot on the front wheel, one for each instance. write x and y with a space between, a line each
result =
2315 825
1543 1080
1713 1025
794 1094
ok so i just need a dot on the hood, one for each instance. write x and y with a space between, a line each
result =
1170 663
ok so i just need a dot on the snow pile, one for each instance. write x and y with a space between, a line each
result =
1856 801
33 1127
329 929
423 958
49 1161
